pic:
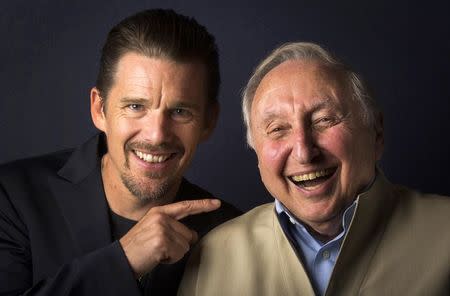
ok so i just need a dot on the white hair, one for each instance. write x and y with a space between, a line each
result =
309 52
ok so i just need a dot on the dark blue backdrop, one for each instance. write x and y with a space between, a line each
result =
50 49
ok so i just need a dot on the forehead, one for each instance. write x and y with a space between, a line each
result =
135 65
300 83
136 72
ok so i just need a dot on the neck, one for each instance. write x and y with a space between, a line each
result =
324 232
122 202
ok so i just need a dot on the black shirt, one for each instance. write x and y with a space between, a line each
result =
120 225
165 278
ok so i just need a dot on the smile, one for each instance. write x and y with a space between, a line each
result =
152 158
312 179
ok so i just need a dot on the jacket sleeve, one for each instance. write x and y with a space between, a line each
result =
104 271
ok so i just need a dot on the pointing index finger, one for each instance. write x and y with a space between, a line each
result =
185 208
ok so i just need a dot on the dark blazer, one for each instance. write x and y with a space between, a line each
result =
55 234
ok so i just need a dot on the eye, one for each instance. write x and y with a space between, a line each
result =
325 122
181 114
135 107
277 131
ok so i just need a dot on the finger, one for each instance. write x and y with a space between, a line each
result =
177 247
188 234
181 209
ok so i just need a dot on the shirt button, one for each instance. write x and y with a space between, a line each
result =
326 255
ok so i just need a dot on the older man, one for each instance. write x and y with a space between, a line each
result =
337 226
104 219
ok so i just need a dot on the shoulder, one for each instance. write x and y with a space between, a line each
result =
36 166
422 205
248 226
204 222
23 181
419 217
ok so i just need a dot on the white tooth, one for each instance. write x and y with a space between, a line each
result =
312 176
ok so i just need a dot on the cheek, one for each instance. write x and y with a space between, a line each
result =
188 136
124 127
337 143
272 157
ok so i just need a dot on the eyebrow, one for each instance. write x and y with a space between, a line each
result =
143 101
319 105
186 104
322 104
133 100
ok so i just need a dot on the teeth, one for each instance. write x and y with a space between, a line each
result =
311 176
151 158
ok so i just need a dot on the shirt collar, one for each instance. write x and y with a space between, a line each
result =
346 218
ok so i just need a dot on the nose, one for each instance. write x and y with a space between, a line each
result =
156 128
304 149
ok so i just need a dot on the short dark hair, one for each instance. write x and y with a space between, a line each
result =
163 34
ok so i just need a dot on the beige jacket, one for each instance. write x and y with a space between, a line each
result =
398 244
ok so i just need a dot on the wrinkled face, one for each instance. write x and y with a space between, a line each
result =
314 153
154 118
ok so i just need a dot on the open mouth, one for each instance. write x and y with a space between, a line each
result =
312 179
153 158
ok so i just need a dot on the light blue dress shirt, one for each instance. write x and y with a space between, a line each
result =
319 258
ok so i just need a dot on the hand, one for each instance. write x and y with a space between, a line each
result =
159 238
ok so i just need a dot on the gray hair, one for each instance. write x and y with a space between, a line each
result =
309 52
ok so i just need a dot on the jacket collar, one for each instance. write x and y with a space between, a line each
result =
78 188
374 207
84 159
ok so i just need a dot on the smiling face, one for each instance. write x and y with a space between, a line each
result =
314 152
154 117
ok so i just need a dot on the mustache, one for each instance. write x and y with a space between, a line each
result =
153 148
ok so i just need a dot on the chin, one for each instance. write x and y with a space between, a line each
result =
320 212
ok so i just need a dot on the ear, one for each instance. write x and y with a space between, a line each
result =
379 136
211 115
97 109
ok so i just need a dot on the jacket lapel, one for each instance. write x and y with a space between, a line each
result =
366 230
293 272
78 189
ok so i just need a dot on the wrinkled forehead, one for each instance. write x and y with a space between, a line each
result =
307 82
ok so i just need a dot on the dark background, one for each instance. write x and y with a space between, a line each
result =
49 52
